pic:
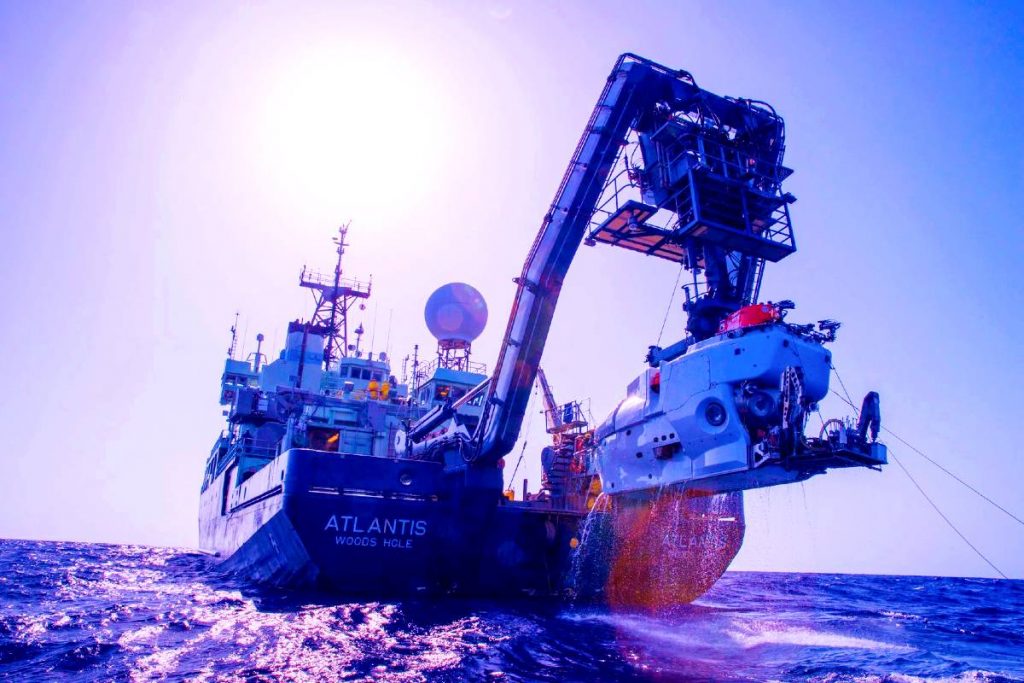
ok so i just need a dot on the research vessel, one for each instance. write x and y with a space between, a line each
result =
334 472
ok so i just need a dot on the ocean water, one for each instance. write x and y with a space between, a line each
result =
81 612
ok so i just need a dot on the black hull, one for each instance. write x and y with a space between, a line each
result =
380 526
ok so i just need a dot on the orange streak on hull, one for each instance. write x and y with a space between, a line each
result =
671 551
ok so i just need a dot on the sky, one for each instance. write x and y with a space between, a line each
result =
163 165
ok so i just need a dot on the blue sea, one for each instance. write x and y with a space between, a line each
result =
81 612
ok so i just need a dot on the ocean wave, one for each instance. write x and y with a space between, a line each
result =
97 613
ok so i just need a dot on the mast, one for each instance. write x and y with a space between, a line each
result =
328 352
334 295
554 418
234 338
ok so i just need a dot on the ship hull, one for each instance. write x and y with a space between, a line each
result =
368 525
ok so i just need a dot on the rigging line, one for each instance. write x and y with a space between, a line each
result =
843 385
668 309
848 402
373 334
946 519
946 471
387 343
245 334
526 439
976 491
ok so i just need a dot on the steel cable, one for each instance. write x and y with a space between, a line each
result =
671 299
946 519
933 462
931 502
526 438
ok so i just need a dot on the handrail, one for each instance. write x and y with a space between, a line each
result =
239 448
471 366
315 277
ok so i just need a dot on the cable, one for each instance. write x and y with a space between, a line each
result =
922 491
945 518
668 309
518 463
843 385
976 491
951 474
526 439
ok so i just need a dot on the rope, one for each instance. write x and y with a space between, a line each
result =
668 309
976 491
526 439
843 385
946 519
944 470
921 490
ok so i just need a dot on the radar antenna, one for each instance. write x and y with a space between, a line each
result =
456 314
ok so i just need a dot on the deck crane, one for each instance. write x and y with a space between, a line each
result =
566 472
552 415
673 171
559 418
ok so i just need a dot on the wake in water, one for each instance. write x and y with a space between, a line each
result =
80 612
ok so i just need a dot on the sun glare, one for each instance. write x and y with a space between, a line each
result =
354 132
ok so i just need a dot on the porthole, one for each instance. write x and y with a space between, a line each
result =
715 414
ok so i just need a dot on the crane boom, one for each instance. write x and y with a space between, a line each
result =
631 87
551 412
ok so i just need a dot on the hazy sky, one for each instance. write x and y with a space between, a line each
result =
165 164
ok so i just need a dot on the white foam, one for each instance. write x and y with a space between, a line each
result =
975 676
716 632
756 634
902 616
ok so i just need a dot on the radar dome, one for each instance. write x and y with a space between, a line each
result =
456 312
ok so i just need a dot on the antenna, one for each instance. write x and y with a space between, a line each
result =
245 333
373 331
259 346
415 368
387 342
340 241
359 339
234 338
